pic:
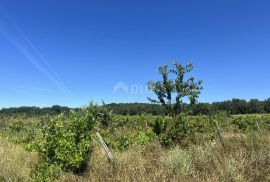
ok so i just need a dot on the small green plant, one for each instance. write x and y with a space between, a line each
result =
158 127
46 172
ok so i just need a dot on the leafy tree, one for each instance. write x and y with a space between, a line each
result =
255 106
267 105
238 106
201 108
178 86
56 109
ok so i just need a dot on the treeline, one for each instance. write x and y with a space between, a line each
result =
33 111
234 106
136 108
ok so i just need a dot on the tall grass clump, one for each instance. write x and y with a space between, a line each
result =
15 162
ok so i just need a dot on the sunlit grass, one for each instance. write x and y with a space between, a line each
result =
15 162
242 158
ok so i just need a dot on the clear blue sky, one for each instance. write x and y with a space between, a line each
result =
68 52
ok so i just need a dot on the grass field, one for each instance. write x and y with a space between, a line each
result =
244 155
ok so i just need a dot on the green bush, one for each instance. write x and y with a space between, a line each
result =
63 143
177 130
46 172
121 140
251 123
20 132
100 114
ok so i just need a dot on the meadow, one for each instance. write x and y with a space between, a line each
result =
216 147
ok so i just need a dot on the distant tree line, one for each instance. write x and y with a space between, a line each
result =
34 111
136 108
234 106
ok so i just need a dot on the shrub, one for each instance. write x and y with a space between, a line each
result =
177 130
63 143
121 140
100 114
20 132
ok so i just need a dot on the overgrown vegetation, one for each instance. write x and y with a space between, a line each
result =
146 148
62 143
66 146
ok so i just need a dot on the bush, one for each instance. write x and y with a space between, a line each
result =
177 130
121 140
20 132
63 143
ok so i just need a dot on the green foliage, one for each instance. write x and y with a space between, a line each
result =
20 132
101 114
178 130
17 126
220 118
34 111
255 106
63 142
251 123
267 106
182 88
183 129
136 108
2 121
234 106
121 140
158 127
46 172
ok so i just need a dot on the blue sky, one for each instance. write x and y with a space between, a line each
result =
69 52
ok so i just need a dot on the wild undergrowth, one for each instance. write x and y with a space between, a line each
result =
218 147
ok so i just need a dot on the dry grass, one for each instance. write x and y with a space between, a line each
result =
15 162
244 157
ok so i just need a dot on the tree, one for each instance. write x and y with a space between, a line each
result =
56 109
201 108
238 106
255 106
177 87
267 105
